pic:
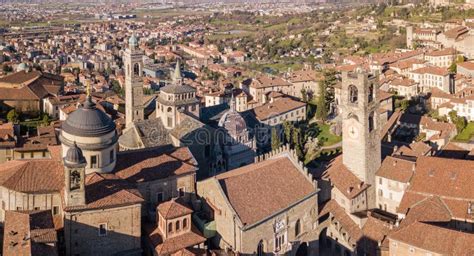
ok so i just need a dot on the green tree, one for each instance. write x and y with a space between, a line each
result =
46 119
276 143
287 128
404 104
117 88
297 142
321 110
453 67
304 95
13 116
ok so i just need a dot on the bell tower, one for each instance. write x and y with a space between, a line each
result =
361 144
133 61
74 175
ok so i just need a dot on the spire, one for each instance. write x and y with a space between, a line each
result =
133 41
233 107
88 104
177 72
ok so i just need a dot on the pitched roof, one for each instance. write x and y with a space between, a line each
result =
155 163
32 176
277 107
344 180
436 239
173 209
396 169
174 244
38 226
107 191
258 190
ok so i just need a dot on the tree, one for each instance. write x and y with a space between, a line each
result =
404 104
297 143
7 68
276 143
13 116
304 95
287 128
453 68
46 119
321 110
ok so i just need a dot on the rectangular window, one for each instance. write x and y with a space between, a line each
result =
44 154
160 197
94 161
22 155
36 208
32 154
111 157
103 229
181 191
55 210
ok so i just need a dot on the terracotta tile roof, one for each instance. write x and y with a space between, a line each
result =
251 190
383 95
354 231
107 191
456 32
21 77
436 239
156 163
173 209
438 176
442 52
37 226
375 233
277 107
469 65
264 81
396 169
175 244
303 76
32 176
432 70
448 179
343 179
191 252
452 150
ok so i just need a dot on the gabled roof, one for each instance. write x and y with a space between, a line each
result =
343 179
259 190
32 176
154 163
107 191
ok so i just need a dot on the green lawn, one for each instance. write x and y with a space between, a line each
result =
466 134
327 137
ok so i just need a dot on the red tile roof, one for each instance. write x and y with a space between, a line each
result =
257 191
152 164
343 179
32 176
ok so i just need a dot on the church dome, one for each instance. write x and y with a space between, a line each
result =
233 123
74 156
88 121
133 41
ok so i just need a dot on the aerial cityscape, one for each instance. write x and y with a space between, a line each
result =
232 127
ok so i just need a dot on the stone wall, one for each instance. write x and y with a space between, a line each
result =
81 231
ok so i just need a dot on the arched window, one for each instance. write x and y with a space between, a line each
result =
170 227
260 248
297 228
185 223
169 109
177 226
128 70
371 122
371 93
136 69
353 94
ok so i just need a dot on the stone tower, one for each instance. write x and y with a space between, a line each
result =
133 61
74 177
360 125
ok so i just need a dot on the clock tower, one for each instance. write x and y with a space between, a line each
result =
133 62
361 144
